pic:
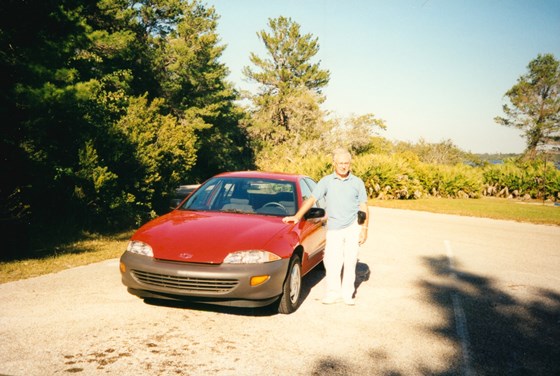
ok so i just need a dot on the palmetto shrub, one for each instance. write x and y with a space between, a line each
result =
403 176
535 179
286 159
387 177
551 183
458 181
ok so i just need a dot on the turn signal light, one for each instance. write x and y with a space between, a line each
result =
122 266
259 279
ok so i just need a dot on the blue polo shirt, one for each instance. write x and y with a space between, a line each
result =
343 198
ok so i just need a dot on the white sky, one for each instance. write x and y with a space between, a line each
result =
432 69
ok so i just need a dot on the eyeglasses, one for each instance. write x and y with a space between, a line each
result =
342 163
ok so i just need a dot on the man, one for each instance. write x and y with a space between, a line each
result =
345 194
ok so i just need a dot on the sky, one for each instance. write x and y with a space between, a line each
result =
432 69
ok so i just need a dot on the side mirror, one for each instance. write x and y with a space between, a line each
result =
173 203
314 213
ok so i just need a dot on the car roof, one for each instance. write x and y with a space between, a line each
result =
262 175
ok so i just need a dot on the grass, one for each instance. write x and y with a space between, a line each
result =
95 248
496 208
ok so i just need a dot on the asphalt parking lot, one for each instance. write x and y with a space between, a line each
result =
447 295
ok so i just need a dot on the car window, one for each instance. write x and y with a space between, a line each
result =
305 189
204 197
310 185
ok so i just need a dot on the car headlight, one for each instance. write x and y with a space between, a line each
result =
250 257
140 248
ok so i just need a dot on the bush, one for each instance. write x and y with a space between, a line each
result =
404 176
533 179
291 159
387 177
459 181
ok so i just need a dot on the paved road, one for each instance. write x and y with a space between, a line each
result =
447 295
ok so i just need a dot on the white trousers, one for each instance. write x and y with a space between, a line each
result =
341 251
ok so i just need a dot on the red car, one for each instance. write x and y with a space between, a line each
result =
226 244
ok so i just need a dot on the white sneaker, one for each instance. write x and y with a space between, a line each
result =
350 302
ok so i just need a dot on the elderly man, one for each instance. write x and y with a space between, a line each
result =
345 194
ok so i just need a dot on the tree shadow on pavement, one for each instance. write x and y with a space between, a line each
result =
507 331
511 330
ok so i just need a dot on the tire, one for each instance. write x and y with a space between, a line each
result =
291 292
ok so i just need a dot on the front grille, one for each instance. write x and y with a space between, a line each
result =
186 284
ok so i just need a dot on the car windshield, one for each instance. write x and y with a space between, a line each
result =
244 195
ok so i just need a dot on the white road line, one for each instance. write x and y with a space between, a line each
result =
463 333
460 317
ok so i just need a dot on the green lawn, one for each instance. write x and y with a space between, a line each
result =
533 212
94 248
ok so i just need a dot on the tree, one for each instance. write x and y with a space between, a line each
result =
289 66
534 104
107 106
43 123
286 74
357 132
175 56
444 152
193 81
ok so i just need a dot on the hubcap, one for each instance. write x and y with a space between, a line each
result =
295 284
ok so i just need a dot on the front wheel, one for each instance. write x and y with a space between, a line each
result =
290 299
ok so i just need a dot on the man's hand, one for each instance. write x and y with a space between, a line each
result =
363 235
307 204
291 219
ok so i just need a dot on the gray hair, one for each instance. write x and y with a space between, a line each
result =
341 151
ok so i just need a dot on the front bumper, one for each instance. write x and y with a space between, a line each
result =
223 284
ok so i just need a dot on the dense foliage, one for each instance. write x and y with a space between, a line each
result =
402 175
106 106
526 179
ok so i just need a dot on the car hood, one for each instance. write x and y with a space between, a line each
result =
208 237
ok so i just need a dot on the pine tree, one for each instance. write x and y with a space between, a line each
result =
287 107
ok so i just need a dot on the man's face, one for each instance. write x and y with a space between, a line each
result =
342 165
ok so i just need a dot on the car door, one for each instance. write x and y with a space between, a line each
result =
313 231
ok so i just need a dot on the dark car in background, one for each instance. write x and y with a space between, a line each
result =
181 193
227 244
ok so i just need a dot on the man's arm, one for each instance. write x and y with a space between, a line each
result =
307 204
